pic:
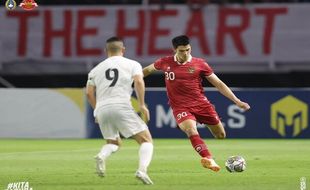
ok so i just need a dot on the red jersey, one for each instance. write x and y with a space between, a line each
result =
184 81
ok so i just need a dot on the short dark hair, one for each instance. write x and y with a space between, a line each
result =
114 44
182 40
114 39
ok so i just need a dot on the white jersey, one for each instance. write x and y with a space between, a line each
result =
113 80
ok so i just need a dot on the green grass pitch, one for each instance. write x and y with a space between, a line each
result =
69 165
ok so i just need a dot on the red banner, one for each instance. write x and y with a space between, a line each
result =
252 33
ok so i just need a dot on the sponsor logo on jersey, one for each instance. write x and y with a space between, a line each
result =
191 70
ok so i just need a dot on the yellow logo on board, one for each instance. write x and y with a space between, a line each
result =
289 112
135 105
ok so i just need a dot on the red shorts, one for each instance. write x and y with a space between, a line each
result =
204 114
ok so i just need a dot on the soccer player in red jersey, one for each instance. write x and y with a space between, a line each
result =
183 78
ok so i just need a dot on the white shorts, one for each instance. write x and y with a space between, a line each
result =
115 119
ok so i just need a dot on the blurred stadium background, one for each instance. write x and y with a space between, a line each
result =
257 47
260 48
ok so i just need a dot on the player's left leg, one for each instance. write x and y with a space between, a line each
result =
110 134
144 138
106 150
217 130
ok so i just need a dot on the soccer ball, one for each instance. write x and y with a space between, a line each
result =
235 164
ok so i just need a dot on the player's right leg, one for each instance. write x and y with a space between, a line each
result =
189 127
131 125
142 176
210 164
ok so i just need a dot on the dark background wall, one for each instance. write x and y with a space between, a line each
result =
292 79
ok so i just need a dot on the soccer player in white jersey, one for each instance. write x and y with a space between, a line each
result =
109 89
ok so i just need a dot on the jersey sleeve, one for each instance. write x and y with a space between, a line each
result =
158 64
91 78
137 69
206 69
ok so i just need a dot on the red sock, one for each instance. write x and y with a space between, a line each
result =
200 146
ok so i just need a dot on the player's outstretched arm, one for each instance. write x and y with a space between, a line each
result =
140 92
91 95
226 91
148 70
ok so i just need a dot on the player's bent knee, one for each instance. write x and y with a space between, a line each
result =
146 140
117 142
221 136
143 137
190 131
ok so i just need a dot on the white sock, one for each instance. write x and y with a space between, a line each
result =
107 150
145 156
